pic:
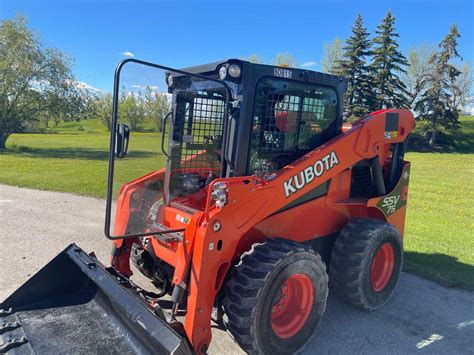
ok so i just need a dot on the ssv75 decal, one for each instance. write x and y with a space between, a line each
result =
307 175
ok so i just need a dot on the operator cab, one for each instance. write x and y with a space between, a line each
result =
228 118
276 114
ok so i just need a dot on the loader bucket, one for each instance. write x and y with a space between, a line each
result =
74 305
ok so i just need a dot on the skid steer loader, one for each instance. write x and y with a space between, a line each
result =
264 203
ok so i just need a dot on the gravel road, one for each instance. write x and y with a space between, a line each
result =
422 317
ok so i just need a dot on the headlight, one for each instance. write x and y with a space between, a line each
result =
169 80
234 70
222 72
220 185
219 193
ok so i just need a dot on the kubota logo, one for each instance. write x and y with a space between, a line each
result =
298 181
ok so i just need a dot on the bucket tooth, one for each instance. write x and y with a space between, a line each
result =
5 312
6 326
12 343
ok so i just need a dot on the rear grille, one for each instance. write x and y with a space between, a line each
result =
362 182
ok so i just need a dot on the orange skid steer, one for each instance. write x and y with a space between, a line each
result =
264 203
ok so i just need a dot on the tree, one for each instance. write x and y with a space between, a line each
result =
131 109
254 58
102 109
387 63
414 77
156 106
332 56
285 60
34 79
435 105
460 88
358 98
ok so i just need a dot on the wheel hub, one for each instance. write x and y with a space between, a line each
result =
293 306
381 270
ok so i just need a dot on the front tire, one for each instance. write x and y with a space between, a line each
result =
276 297
366 263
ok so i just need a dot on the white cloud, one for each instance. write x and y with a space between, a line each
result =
128 54
153 88
84 86
308 64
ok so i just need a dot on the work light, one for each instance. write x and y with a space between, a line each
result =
222 72
234 70
169 80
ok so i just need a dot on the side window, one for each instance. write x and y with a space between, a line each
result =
290 119
316 117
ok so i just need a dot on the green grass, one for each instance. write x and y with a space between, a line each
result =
74 158
439 238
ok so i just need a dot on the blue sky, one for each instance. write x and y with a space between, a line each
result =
184 33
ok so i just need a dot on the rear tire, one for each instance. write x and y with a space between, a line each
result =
275 297
366 263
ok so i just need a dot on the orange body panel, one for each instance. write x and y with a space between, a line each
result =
255 211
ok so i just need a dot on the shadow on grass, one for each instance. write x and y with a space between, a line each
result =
444 269
72 153
453 140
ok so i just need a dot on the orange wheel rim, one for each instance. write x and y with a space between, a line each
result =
293 307
381 270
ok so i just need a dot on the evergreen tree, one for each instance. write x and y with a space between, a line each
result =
435 103
353 66
386 64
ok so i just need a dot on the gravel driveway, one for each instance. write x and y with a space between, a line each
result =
422 317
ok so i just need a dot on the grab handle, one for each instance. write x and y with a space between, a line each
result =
163 131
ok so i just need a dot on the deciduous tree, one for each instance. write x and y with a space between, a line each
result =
102 109
131 109
34 79
156 106
285 59
332 56
414 77
254 58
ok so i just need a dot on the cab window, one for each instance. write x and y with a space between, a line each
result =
289 120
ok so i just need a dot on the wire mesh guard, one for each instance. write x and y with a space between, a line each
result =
290 123
203 132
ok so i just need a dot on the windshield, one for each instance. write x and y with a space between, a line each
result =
196 144
175 122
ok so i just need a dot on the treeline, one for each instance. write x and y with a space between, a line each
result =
135 108
431 81
38 87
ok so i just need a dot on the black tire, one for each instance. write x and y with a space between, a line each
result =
256 288
351 268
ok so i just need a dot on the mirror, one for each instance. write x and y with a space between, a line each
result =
121 142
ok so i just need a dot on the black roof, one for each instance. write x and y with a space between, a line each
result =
212 67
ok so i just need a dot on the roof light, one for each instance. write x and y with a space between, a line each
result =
169 80
222 72
234 70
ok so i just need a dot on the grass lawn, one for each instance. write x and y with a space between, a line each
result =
74 158
439 239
